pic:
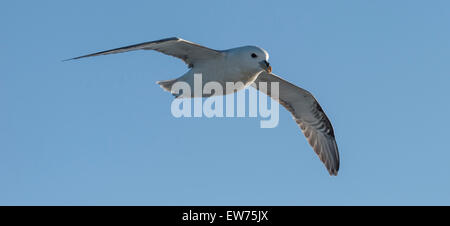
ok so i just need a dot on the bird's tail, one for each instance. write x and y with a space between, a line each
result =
166 84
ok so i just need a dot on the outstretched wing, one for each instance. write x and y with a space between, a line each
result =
308 114
187 51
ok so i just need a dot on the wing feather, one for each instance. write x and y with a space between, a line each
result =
310 117
187 51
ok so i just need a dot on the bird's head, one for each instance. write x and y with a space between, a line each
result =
252 59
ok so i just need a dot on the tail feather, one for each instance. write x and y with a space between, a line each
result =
167 85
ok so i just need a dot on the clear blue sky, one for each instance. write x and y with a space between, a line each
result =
99 131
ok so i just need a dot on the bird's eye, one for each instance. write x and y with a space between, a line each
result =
254 55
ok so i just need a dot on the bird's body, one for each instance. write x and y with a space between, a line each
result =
228 67
249 65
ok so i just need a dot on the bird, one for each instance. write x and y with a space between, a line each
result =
249 65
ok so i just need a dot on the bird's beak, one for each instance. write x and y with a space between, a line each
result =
266 66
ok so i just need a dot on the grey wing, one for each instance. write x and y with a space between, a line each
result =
187 51
308 114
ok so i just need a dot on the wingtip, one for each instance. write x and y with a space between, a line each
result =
333 172
76 58
68 59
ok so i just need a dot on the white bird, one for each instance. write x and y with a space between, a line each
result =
248 64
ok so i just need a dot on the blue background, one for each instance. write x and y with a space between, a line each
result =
99 131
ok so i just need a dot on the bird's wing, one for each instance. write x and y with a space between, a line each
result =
187 51
308 114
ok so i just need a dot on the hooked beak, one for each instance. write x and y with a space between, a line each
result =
266 66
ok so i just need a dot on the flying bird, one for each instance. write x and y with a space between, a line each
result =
249 65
